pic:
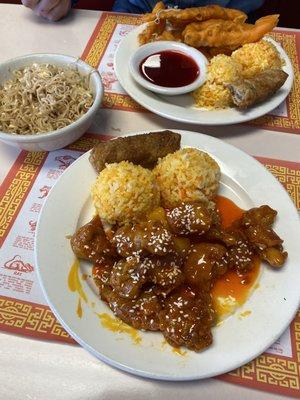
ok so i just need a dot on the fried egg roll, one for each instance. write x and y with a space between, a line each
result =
247 92
144 150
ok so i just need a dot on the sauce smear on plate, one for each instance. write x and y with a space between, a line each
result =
169 69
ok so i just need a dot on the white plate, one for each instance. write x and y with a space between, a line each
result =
237 340
180 108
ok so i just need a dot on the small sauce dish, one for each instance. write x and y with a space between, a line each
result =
168 68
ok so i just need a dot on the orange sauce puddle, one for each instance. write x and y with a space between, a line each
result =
79 308
74 285
74 281
232 289
229 211
245 314
116 325
179 352
176 350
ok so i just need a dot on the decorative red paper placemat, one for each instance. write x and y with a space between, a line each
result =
22 194
110 30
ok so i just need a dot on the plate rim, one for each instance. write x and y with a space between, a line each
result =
110 361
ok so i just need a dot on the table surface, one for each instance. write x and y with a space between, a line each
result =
33 369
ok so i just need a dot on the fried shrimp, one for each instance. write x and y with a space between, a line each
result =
152 31
195 14
219 32
153 15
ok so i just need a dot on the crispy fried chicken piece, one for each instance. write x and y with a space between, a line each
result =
240 256
189 218
222 33
144 150
141 313
240 253
263 215
205 262
166 274
250 235
149 237
101 273
218 235
128 240
187 318
129 275
275 256
90 243
257 224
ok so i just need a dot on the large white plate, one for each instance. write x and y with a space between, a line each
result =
237 340
180 108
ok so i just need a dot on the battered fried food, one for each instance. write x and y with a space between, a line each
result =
220 33
153 30
211 52
168 24
153 15
195 14
90 242
247 92
173 36
144 150
214 29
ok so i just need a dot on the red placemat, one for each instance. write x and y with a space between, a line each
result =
23 309
110 30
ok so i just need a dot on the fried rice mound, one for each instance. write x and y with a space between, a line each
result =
214 93
257 57
124 192
188 175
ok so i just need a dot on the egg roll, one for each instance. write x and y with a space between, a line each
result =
247 92
144 150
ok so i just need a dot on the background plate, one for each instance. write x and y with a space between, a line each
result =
180 108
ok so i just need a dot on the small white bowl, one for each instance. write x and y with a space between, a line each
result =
61 137
155 47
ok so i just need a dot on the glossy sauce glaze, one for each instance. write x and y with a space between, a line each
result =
169 69
229 211
228 293
232 289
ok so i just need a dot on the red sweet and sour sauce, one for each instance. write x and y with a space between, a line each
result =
169 69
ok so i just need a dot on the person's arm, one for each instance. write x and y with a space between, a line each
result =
53 10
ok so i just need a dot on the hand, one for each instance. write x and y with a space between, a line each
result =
53 10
